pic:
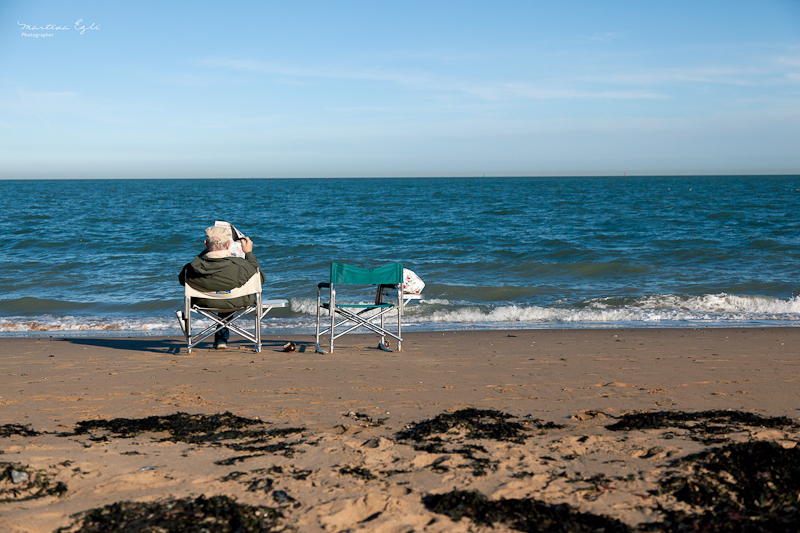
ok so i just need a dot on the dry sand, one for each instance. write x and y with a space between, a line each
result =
348 470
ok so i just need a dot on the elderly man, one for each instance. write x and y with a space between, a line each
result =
216 269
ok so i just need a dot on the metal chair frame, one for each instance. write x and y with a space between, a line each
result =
361 315
259 309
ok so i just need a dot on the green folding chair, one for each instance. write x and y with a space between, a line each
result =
349 317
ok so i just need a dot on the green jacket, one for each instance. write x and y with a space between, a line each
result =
220 274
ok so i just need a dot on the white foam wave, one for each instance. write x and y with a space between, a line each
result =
303 306
709 303
650 309
646 311
46 323
434 301
131 325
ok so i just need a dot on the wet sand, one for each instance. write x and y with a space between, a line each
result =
347 469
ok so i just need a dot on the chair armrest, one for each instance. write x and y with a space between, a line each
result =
324 285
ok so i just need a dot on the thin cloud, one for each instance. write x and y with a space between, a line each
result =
6 125
789 61
492 91
529 91
47 100
280 69
716 75
606 37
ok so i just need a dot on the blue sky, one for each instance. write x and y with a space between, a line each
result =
381 88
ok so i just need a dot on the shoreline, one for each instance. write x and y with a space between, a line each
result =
308 331
360 397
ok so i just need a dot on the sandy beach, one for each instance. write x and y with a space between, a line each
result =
360 440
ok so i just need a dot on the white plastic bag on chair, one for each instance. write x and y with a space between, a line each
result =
412 284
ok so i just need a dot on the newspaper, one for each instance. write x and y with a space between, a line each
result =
236 236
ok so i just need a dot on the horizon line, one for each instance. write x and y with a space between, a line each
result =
484 176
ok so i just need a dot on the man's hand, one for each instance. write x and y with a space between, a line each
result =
247 244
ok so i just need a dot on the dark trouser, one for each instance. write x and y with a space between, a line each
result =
222 335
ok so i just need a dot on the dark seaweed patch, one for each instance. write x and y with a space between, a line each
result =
261 485
255 481
182 427
522 514
251 481
705 426
236 459
251 446
357 471
478 464
225 429
219 514
597 484
752 486
477 424
20 483
8 430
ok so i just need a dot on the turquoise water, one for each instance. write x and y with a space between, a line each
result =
103 255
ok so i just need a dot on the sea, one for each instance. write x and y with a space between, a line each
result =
102 256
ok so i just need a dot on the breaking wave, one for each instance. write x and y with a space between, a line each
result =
438 314
643 311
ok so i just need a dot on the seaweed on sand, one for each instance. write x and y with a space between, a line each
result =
476 424
751 486
219 514
21 483
225 429
357 471
254 481
182 427
521 514
8 430
705 426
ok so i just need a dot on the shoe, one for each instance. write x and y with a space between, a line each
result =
221 346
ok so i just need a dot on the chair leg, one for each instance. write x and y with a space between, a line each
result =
258 323
333 315
382 344
400 305
319 305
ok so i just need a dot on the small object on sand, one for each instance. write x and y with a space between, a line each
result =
18 477
282 497
289 347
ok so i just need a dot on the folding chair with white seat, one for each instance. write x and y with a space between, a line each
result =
259 310
360 315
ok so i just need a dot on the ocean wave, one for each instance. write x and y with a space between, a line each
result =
719 308
50 323
707 303
438 313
